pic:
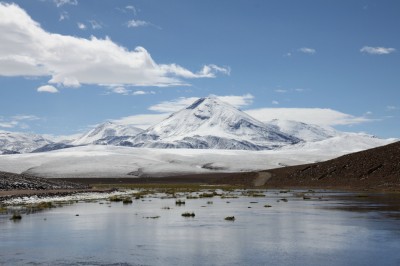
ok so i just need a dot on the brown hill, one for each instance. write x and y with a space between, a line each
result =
377 168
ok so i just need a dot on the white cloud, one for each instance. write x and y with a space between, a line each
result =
142 121
281 90
25 117
60 3
392 108
120 90
307 50
81 26
17 121
377 50
95 25
318 116
47 88
182 102
137 23
11 124
275 102
27 50
63 16
131 8
143 92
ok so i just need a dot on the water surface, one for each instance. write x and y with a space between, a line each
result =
331 230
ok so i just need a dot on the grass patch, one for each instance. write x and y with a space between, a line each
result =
267 206
180 202
210 202
207 195
188 214
127 200
230 218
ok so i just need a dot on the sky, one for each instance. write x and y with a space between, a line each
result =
67 65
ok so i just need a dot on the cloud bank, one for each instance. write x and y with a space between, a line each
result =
317 116
28 50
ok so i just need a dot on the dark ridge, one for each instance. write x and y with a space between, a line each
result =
53 147
196 103
377 168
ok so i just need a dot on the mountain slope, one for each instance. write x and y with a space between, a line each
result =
15 142
211 123
106 130
303 131
374 168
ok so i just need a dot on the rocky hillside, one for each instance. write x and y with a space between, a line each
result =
10 181
377 168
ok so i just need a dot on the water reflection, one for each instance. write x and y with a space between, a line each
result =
297 232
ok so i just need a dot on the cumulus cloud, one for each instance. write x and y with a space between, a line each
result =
81 26
182 102
318 116
60 3
135 23
377 50
143 92
307 50
47 88
120 90
27 50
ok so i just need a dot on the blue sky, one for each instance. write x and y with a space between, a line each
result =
66 65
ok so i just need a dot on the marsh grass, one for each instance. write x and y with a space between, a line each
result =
230 218
188 214
152 217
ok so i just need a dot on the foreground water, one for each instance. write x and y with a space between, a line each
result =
337 229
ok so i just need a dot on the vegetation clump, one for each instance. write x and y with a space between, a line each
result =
230 218
127 200
16 217
206 195
45 205
188 214
180 202
152 217
210 202
267 206
116 198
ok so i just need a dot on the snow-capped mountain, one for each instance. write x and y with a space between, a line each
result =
305 132
210 123
15 142
105 131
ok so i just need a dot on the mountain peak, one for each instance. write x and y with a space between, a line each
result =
212 123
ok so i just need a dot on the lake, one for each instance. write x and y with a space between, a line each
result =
330 228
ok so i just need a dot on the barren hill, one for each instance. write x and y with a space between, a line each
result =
377 168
